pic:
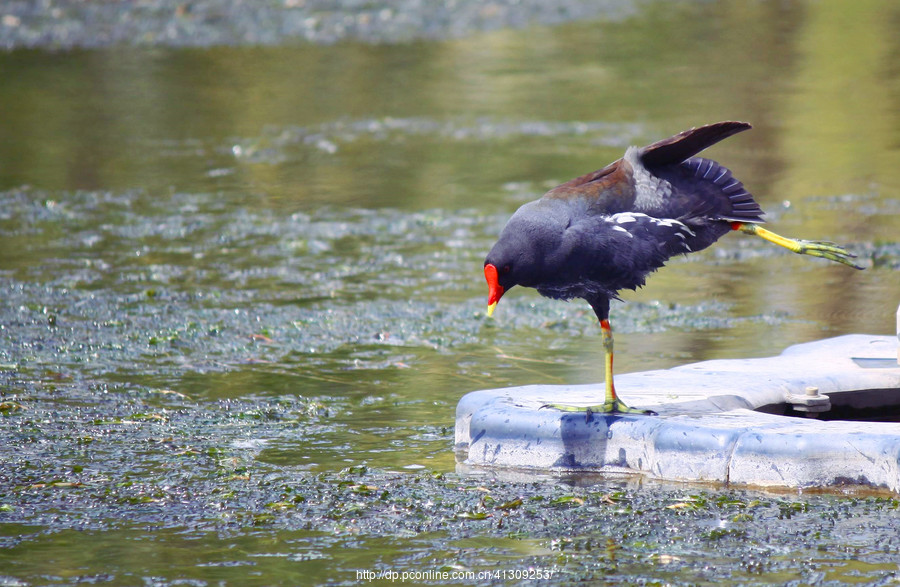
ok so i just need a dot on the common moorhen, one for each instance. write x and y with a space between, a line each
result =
605 231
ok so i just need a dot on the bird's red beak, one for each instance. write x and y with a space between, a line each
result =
495 291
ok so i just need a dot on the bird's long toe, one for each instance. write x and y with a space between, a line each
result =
827 250
616 406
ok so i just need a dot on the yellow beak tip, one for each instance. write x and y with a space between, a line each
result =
490 310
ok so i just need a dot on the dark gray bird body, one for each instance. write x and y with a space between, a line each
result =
605 231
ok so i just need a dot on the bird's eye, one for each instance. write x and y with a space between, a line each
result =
506 269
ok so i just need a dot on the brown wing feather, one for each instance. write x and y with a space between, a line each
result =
674 150
608 190
611 189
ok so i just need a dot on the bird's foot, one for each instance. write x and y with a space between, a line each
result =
615 406
826 250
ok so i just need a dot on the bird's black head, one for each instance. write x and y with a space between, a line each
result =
521 255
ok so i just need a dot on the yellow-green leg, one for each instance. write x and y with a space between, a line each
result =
823 249
611 404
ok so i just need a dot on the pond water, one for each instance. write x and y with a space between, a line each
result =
243 292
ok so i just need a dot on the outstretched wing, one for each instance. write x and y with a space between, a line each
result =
671 183
674 150
664 180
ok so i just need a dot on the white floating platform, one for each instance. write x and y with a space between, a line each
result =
707 429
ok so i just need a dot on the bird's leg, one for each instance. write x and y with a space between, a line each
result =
823 249
611 404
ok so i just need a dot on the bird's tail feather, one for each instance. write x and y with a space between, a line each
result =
716 179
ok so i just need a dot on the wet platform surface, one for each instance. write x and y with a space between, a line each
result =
709 428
